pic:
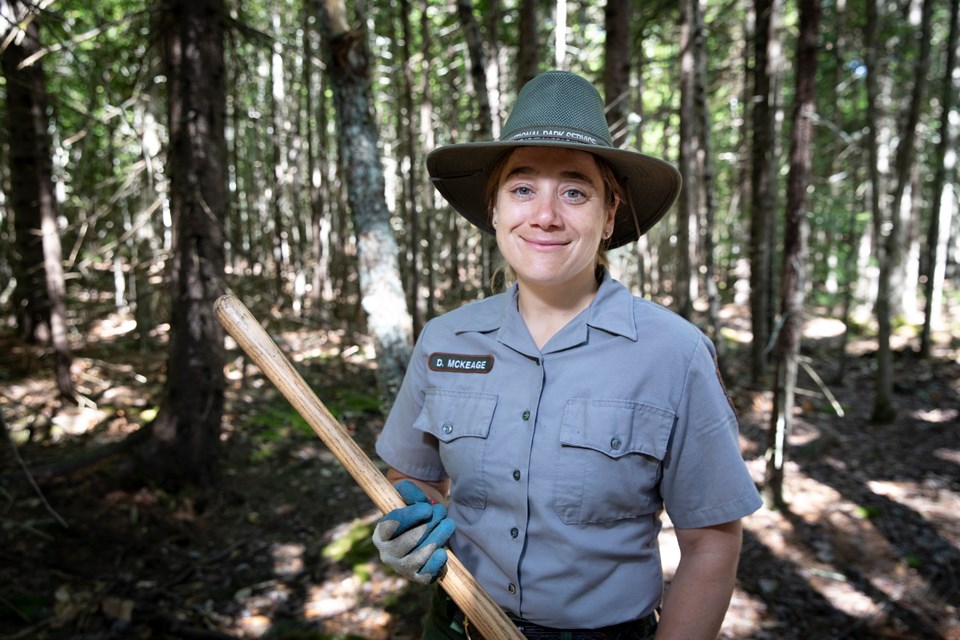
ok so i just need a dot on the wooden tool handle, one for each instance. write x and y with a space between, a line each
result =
476 604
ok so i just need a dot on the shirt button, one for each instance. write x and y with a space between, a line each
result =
526 415
514 532
512 588
447 427
615 444
516 474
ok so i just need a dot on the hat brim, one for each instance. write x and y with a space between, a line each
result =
460 173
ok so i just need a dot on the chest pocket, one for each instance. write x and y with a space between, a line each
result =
460 421
610 459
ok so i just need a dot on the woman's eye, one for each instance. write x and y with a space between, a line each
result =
574 194
521 191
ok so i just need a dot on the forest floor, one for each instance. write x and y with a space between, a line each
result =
868 548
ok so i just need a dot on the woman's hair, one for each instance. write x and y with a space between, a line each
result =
613 192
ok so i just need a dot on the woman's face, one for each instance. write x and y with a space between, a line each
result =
550 214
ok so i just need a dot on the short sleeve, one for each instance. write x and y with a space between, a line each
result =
705 481
408 450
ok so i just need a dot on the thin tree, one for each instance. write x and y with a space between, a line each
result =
688 203
314 118
184 445
427 192
763 180
484 128
528 42
707 171
40 292
407 132
936 254
794 249
889 236
617 54
381 286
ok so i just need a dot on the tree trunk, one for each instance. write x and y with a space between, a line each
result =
278 164
528 46
484 122
427 192
883 406
763 181
706 169
794 249
688 204
617 54
40 294
938 230
185 442
560 34
381 287
319 257
409 146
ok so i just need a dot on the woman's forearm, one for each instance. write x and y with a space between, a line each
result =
700 592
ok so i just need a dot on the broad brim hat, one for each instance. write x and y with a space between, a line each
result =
557 109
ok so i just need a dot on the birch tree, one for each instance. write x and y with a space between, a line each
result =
381 286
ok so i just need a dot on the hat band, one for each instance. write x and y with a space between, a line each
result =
565 135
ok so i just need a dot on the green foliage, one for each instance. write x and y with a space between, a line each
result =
107 88
24 607
354 549
868 513
278 422
351 402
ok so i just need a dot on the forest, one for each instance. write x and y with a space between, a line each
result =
155 156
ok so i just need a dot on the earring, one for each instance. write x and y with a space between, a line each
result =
607 234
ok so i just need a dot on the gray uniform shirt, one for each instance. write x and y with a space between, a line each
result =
561 458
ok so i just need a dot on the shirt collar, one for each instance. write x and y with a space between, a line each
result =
611 311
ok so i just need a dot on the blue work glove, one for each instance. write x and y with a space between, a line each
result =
411 538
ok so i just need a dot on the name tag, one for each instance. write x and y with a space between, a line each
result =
459 363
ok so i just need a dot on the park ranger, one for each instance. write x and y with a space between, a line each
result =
543 430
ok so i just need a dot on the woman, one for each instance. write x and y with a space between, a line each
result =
555 421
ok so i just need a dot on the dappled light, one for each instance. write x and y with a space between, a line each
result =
866 548
156 156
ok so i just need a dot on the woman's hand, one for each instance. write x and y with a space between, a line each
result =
411 539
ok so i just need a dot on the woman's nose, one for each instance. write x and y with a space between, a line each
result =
546 214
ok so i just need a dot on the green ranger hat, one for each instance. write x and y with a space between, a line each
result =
557 109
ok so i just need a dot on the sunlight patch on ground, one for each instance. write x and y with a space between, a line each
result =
345 604
259 602
287 559
744 616
932 499
825 537
936 415
950 455
75 421
112 325
817 328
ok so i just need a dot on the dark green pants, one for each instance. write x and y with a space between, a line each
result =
438 625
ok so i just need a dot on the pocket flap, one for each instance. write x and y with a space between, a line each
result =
449 414
617 427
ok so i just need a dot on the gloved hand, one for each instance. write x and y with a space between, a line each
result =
411 538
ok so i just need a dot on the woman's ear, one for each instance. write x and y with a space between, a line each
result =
609 222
